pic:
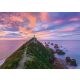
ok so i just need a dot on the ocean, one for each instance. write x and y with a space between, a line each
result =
71 47
7 47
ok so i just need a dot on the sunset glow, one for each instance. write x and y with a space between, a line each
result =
45 25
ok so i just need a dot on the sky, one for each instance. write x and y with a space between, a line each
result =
44 25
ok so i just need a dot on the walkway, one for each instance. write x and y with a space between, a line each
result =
23 60
25 57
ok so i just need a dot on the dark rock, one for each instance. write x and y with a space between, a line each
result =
56 46
45 42
73 62
46 45
60 52
68 59
51 43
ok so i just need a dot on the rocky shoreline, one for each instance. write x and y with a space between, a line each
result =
59 63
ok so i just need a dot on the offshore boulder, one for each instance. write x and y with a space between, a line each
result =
60 52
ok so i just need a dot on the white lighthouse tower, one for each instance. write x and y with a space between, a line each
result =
34 40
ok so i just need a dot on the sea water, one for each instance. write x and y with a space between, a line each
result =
8 47
71 47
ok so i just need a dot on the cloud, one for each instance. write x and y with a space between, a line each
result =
32 21
31 18
24 30
74 19
44 16
3 33
43 24
68 29
16 19
13 38
44 34
58 22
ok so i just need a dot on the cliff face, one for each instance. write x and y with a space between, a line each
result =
32 55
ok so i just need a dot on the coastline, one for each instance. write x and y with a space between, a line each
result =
60 61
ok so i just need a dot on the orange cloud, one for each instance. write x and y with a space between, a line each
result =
68 29
32 20
43 34
3 33
24 30
44 16
15 18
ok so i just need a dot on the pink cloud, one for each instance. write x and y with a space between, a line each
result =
58 22
68 29
20 18
15 18
32 19
13 38
43 34
24 30
74 19
45 26
44 16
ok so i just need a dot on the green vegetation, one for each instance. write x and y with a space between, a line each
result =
41 56
12 61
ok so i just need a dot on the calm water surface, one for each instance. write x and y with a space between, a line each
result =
71 47
7 47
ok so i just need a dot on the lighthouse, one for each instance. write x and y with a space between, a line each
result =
34 39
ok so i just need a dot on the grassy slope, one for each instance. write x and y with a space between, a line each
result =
37 50
41 57
13 60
